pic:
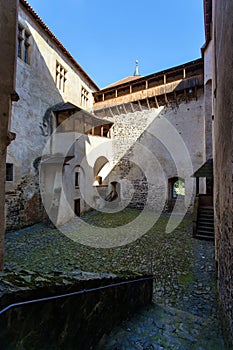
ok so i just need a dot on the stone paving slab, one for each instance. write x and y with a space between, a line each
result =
183 267
161 327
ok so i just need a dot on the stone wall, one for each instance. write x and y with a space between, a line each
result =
32 119
8 25
23 205
152 146
75 322
223 170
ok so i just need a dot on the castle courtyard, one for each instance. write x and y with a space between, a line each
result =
184 312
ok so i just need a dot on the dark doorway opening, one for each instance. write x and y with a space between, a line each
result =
77 207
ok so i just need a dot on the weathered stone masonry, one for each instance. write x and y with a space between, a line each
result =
134 142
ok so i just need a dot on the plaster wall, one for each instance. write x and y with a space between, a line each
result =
31 117
58 179
208 91
208 62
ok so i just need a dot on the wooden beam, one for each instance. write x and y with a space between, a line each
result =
148 103
116 93
124 108
195 89
118 111
164 79
110 110
184 73
140 106
156 102
131 105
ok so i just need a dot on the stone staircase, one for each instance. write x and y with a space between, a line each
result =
205 223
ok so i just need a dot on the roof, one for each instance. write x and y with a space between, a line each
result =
206 170
67 106
122 81
48 32
139 79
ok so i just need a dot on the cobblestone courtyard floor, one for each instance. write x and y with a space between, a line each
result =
184 311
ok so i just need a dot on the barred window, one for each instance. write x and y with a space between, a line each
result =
60 77
23 44
84 97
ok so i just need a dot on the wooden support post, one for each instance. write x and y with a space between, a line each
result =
116 93
185 95
110 110
175 97
124 108
156 102
131 105
146 84
148 103
130 89
102 97
102 131
184 73
118 111
195 89
140 106
197 185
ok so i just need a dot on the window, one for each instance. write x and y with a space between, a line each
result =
60 77
76 180
84 97
23 44
178 189
9 172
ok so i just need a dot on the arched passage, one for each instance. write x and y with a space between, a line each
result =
100 170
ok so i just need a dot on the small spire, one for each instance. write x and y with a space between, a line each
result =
136 71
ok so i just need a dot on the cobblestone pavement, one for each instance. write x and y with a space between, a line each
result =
184 311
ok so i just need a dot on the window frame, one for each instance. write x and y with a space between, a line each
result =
61 77
23 49
9 172
77 179
84 97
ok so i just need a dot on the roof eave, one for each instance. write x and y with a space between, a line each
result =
48 32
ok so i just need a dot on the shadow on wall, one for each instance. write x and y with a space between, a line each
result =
32 121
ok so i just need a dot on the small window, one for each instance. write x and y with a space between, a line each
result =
76 180
9 172
61 79
84 97
23 44
178 189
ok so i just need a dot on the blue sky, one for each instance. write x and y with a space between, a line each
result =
106 37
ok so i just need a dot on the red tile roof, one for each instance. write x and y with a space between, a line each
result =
122 81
